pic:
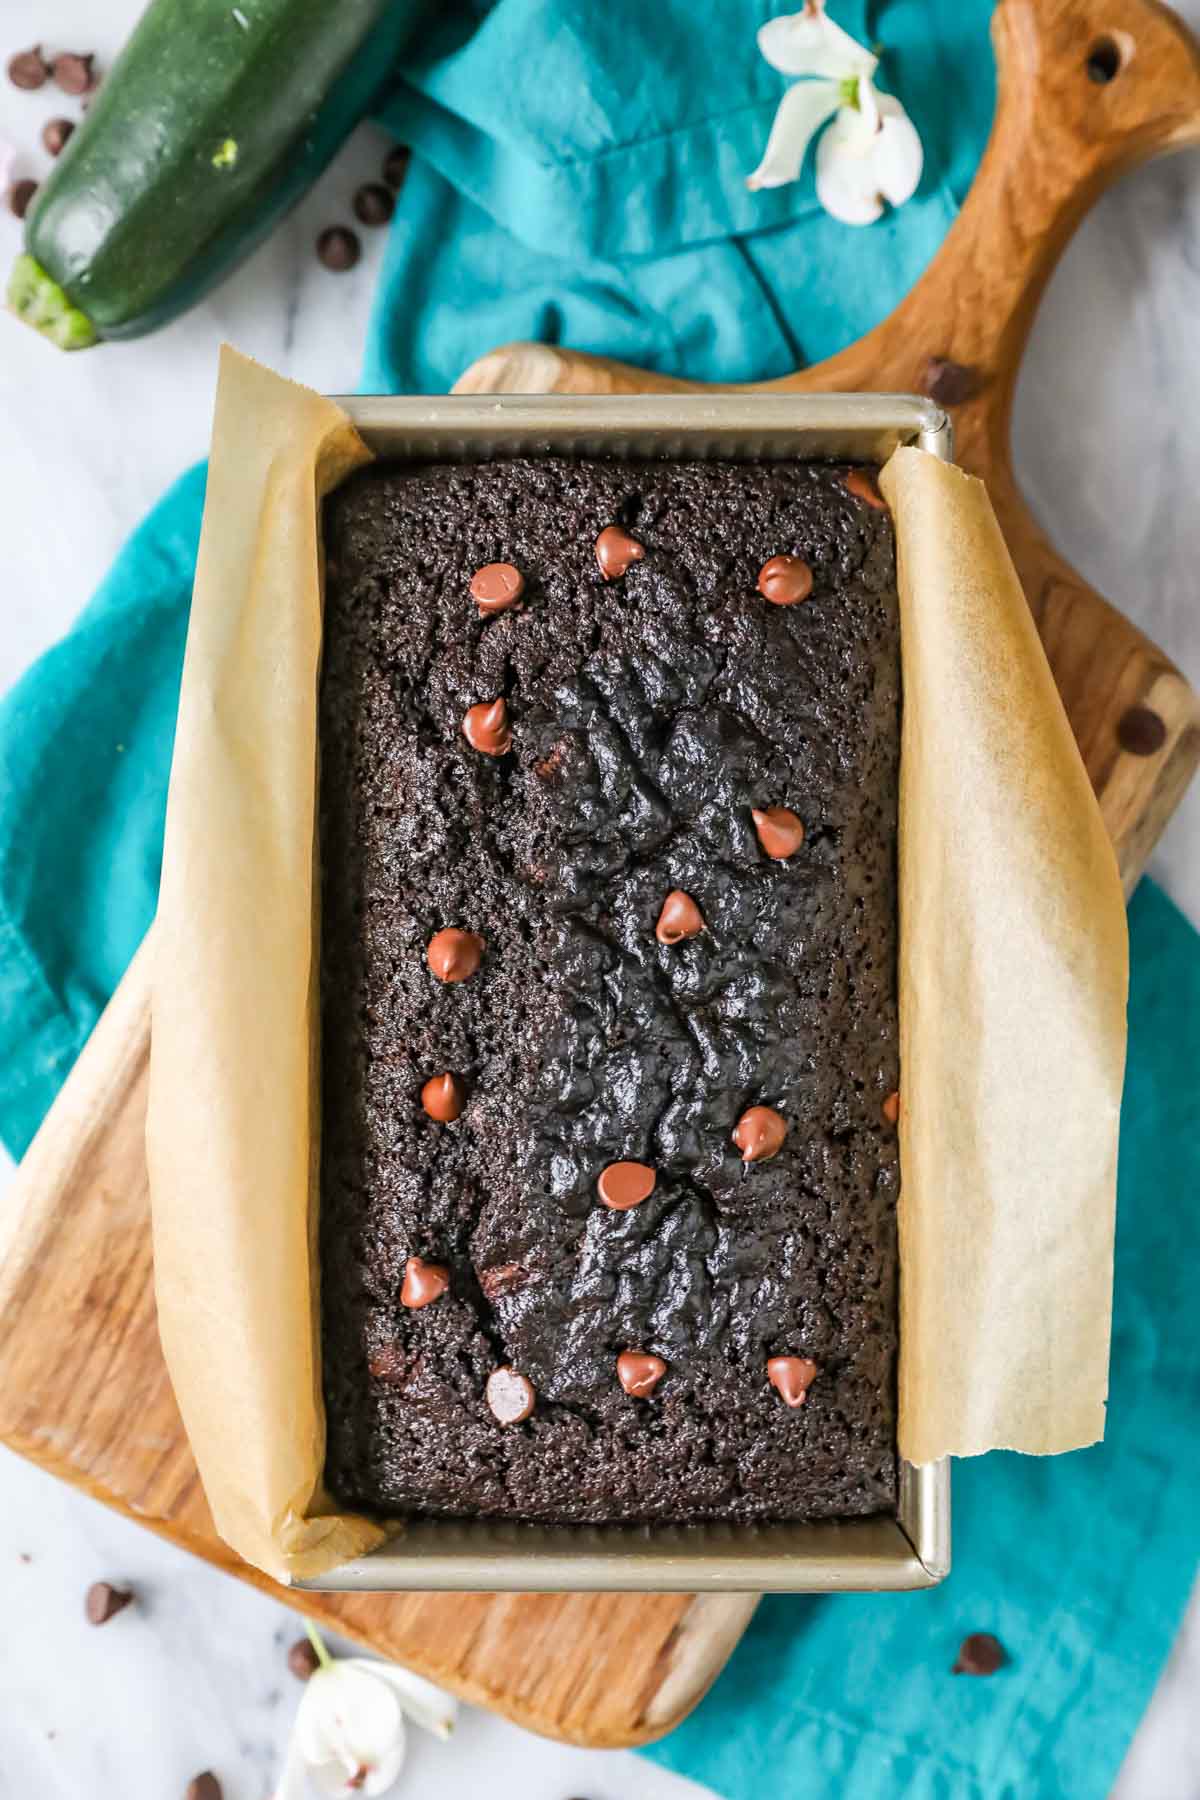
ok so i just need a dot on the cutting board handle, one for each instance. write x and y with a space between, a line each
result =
1085 90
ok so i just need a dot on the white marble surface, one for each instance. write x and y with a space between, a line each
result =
1106 447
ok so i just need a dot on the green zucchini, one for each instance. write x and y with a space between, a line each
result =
214 120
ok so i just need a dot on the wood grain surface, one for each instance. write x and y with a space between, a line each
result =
83 1390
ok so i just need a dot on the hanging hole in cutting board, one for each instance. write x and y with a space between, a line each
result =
1108 56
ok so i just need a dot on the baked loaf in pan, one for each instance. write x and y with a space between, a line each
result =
608 971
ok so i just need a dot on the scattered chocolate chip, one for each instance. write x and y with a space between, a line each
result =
203 1787
625 1184
680 918
616 552
1141 731
55 133
510 1396
424 1282
389 1363
780 832
374 204
949 383
454 955
791 1377
74 74
639 1373
496 587
486 728
395 166
338 248
891 1108
785 580
980 1654
104 1601
759 1133
28 69
503 1278
20 197
443 1098
862 486
303 1660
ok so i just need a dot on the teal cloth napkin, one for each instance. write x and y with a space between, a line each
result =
578 177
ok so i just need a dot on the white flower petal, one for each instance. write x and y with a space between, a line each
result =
809 43
350 1716
802 111
293 1783
8 157
859 168
424 1703
899 158
386 1773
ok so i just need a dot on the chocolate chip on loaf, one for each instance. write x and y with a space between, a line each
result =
424 1282
780 832
510 1396
625 1184
759 1133
616 552
791 1377
680 918
497 587
454 955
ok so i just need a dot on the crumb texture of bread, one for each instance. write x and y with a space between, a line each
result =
651 715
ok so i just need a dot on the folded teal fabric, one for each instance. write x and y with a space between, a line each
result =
578 178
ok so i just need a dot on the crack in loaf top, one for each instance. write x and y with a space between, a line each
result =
608 820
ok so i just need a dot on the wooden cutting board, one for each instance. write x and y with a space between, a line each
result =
83 1390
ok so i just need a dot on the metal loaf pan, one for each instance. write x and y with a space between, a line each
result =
912 1550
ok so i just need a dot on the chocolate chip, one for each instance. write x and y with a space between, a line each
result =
503 1278
203 1787
395 166
338 248
1141 731
625 1184
861 485
496 587
616 552
759 1133
980 1654
891 1108
28 69
639 1373
780 832
389 1363
510 1396
791 1377
55 133
486 728
454 955
443 1098
785 580
303 1660
949 383
20 197
680 918
73 73
424 1282
373 204
104 1601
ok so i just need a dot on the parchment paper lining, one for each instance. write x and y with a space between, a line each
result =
1012 989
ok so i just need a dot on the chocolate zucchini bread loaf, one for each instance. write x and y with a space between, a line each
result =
610 1059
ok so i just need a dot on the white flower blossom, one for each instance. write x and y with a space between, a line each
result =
348 1736
871 152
